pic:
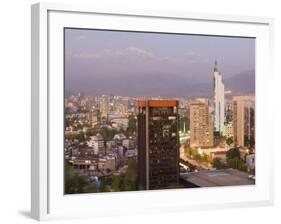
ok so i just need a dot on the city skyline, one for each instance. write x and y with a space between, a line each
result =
143 116
94 58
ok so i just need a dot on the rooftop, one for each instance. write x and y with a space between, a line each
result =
214 178
157 103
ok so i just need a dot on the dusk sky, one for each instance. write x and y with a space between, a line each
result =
135 63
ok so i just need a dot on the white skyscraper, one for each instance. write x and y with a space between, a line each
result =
218 99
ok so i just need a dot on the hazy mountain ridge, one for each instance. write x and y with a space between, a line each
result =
161 84
242 83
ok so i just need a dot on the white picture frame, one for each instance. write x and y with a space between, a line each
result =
48 201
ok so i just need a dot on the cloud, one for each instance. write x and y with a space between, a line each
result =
82 37
129 54
108 54
86 55
138 52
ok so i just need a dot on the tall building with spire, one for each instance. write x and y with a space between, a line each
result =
218 100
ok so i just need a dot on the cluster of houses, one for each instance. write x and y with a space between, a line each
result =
97 157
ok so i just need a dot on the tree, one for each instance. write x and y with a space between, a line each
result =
131 130
218 164
197 157
237 163
105 184
81 137
206 158
92 131
116 180
229 141
74 183
130 176
188 150
233 153
108 134
91 189
250 142
234 160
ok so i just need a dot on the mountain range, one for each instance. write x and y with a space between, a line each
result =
161 85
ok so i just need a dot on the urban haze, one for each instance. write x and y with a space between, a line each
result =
104 62
150 111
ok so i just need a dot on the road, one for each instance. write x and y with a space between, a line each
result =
184 157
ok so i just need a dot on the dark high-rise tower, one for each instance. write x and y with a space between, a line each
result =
158 144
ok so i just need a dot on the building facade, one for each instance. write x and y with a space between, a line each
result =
96 142
120 123
201 125
104 105
244 120
158 144
218 100
227 130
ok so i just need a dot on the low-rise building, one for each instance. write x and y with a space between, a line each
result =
126 143
209 151
118 138
120 123
131 153
215 178
121 151
83 164
96 142
107 163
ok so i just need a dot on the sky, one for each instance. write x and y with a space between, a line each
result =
136 63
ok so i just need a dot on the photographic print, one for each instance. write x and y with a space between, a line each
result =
154 111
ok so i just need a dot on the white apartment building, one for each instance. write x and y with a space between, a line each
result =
96 142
